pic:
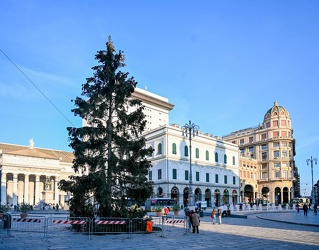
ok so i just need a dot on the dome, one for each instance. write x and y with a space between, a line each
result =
276 111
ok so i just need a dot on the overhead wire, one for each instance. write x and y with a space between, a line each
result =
36 87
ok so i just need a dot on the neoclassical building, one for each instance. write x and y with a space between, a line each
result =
267 165
30 174
214 166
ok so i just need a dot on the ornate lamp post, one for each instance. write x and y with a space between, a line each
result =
190 130
314 160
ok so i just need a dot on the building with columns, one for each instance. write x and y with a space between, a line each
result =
31 175
267 165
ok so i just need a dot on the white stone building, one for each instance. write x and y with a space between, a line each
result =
30 174
215 168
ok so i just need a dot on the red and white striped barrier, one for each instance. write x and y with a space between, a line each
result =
26 220
72 222
175 221
110 222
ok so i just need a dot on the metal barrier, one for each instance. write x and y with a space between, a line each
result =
73 224
30 224
106 225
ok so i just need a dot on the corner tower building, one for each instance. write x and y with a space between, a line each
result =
271 149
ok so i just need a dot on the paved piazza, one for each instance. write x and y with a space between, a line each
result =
234 233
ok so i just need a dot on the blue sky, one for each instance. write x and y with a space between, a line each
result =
222 63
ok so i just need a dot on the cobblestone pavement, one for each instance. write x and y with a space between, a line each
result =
255 232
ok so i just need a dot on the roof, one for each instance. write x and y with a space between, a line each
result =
31 151
277 111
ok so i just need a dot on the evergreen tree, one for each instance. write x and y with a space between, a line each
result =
110 153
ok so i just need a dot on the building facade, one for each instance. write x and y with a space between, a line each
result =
30 174
215 172
270 150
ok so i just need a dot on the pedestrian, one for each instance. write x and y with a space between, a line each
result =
213 215
190 219
305 209
166 209
219 214
195 222
315 207
298 209
57 207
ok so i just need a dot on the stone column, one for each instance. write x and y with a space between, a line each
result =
4 189
56 190
26 189
37 191
15 189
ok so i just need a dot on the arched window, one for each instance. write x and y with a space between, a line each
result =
197 153
234 160
174 148
186 150
216 157
159 149
225 158
207 155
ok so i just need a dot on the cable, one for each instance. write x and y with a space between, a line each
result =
37 88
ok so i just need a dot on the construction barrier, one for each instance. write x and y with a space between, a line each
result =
103 225
106 225
30 224
80 225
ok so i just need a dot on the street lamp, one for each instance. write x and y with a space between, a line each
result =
190 130
311 163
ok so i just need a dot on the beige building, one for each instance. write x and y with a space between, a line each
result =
267 162
31 174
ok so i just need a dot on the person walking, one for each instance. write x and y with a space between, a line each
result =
305 209
213 215
196 222
219 214
190 219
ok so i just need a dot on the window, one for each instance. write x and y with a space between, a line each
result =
174 173
150 177
267 124
285 174
275 123
234 180
264 147
284 154
275 134
276 144
159 174
225 179
186 151
159 149
186 175
276 154
242 152
264 136
264 166
277 174
225 158
197 176
197 153
241 142
277 164
251 139
251 149
174 149
284 134
264 156
207 177
216 178
264 175
216 157
283 123
207 155
234 163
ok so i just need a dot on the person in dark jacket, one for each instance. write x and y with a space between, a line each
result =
305 209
